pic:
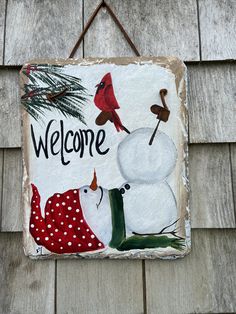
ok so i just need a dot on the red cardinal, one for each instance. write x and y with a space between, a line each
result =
106 101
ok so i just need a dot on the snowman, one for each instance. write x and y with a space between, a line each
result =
149 204
133 216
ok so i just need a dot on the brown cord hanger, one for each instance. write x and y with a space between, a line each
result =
115 19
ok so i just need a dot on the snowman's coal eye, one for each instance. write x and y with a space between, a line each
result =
122 191
85 191
127 186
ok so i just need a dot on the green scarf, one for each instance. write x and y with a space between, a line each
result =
119 240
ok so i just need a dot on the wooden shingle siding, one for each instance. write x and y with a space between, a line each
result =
150 25
211 192
36 29
101 286
212 102
203 282
10 135
217 29
26 286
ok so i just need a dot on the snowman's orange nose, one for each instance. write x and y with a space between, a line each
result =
93 185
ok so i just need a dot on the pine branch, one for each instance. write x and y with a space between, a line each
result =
50 80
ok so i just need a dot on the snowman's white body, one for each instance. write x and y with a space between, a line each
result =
149 203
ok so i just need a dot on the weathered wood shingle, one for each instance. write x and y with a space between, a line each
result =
10 135
217 29
211 197
41 29
2 28
203 282
212 99
156 27
101 286
26 286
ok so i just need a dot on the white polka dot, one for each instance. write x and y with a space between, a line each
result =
59 214
58 195
81 220
69 208
33 201
51 234
53 220
70 226
62 223
57 204
74 201
83 237
41 220
42 230
52 243
46 238
32 225
75 191
78 228
77 210
49 226
36 196
74 236
59 240
87 230
56 230
67 216
68 197
36 217
47 213
34 212
69 243
49 202
52 210
37 229
74 218
92 236
37 206
63 203
90 244
99 244
79 244
65 233
61 247
38 238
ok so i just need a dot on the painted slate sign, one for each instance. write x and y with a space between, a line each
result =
105 158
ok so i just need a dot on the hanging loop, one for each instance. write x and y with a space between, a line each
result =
115 19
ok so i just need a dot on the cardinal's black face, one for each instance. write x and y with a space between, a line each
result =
100 86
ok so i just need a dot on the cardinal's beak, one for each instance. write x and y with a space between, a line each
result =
93 185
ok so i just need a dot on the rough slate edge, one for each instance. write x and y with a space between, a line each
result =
1 181
218 16
177 67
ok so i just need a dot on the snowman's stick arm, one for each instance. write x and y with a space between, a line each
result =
154 133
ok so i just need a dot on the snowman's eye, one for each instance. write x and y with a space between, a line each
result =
127 186
85 191
122 191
